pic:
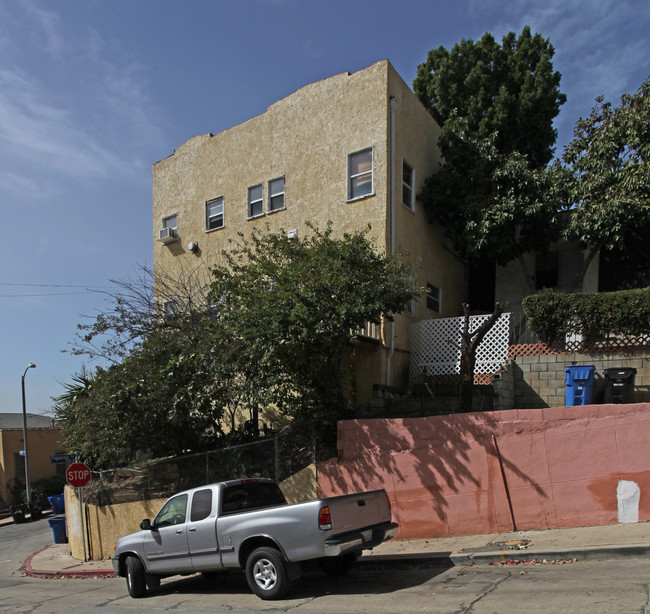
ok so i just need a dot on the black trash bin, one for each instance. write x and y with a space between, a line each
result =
17 513
619 385
35 511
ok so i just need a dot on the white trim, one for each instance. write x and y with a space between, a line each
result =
349 177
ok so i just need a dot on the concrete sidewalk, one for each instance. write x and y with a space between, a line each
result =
548 546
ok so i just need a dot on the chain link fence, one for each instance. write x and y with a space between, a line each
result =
278 457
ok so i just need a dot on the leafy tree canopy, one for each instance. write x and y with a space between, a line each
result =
282 314
294 307
495 103
609 175
506 92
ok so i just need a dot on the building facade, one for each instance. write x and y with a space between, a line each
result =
44 440
351 150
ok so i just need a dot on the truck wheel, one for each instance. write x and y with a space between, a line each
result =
152 581
135 577
266 573
338 565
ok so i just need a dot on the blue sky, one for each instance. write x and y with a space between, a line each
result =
92 93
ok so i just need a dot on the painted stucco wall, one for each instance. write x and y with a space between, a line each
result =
42 444
306 138
454 475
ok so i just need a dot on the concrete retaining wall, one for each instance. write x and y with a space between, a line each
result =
539 381
496 471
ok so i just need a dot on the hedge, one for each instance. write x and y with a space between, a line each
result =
552 315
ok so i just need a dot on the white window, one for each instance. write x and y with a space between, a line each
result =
433 298
408 182
170 222
214 214
255 201
360 170
276 194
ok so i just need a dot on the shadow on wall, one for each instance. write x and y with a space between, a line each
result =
499 471
432 468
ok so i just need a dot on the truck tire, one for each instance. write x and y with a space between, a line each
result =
338 565
266 573
135 577
152 581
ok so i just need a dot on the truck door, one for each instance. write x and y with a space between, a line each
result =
165 545
202 531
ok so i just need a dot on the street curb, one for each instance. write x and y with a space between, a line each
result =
79 573
458 559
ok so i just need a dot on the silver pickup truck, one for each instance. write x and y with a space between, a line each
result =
247 524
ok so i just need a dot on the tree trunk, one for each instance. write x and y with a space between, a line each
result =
469 343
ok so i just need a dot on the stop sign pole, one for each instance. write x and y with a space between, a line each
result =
78 475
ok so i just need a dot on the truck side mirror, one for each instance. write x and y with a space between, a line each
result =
145 525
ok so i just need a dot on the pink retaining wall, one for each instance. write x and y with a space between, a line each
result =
491 472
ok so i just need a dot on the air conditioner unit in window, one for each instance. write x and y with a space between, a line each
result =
167 235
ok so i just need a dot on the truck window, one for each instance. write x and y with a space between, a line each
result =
201 505
173 512
251 496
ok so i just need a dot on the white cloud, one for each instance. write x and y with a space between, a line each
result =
71 107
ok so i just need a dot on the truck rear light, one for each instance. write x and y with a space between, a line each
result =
324 519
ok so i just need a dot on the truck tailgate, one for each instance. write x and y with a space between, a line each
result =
358 511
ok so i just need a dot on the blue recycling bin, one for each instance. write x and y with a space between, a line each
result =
579 384
58 529
57 503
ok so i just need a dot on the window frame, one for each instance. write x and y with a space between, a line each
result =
272 195
350 177
432 300
256 201
410 205
209 217
165 220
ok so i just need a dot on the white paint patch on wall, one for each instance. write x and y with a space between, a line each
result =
628 495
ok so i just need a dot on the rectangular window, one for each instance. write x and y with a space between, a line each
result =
408 181
547 268
255 201
360 169
276 194
409 307
170 308
214 214
433 298
171 222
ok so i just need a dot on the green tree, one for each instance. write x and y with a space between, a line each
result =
506 92
609 178
495 103
293 307
282 313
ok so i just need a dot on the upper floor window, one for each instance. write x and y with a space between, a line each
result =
276 194
255 201
408 182
214 214
360 170
168 233
433 298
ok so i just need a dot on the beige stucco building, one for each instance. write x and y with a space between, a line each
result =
352 150
44 440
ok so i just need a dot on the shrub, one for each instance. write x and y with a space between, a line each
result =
552 315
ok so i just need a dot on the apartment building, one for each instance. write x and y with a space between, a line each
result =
353 150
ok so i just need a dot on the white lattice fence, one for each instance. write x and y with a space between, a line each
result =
435 345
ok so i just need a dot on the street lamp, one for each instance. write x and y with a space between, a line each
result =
31 365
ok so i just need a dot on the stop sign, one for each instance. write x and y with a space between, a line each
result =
78 475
